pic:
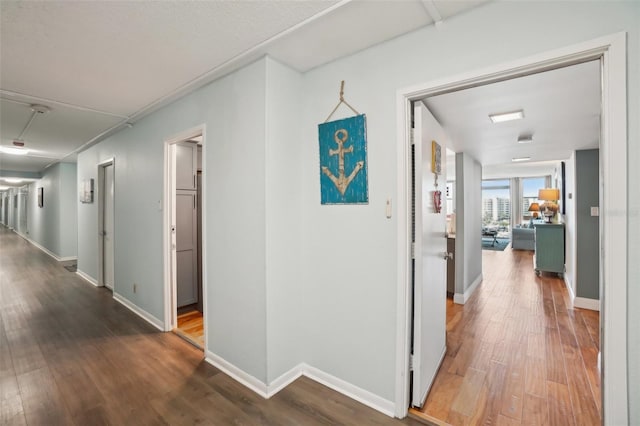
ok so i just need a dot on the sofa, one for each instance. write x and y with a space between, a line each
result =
523 238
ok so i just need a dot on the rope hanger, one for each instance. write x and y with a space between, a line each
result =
342 101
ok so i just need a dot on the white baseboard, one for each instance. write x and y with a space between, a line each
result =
237 374
567 283
47 251
87 278
460 298
267 391
354 392
585 303
285 380
139 311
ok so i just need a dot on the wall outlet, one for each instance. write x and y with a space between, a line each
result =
595 211
135 287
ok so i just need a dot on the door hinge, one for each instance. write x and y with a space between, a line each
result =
413 250
411 362
412 136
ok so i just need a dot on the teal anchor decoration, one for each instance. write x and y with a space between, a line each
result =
343 168
342 181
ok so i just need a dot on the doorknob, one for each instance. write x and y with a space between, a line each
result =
447 256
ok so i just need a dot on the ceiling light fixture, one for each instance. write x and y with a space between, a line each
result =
519 159
525 138
506 116
12 180
13 151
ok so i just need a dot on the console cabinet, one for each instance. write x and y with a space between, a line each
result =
549 248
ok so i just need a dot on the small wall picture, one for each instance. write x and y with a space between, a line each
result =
436 158
86 191
41 197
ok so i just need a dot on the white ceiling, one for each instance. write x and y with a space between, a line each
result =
561 111
100 65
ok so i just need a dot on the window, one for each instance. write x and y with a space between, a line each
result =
530 187
496 206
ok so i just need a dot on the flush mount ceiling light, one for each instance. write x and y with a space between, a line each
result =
519 159
525 138
13 151
12 180
506 116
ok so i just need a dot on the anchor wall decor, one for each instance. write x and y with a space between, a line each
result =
343 158
343 161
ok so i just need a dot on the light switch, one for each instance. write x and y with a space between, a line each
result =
595 211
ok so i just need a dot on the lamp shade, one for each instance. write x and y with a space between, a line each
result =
549 194
534 207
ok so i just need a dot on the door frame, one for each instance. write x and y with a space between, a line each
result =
613 220
170 278
100 195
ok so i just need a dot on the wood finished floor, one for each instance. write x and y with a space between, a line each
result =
71 355
518 353
190 324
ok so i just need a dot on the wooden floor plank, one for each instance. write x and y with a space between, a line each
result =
527 324
71 355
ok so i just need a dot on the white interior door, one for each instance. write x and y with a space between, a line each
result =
430 286
107 224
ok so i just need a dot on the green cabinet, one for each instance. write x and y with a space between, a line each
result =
549 254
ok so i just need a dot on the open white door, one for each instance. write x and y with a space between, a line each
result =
430 279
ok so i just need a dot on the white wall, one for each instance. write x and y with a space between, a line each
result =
55 226
233 110
469 225
350 261
283 219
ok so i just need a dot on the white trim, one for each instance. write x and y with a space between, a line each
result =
267 391
99 196
50 253
285 380
352 391
236 373
585 303
138 311
462 298
567 283
87 278
613 149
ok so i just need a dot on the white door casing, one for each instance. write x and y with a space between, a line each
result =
107 192
430 271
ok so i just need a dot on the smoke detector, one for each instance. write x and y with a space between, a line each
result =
40 109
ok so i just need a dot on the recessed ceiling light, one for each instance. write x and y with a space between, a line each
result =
12 180
525 139
3 188
518 159
13 151
507 116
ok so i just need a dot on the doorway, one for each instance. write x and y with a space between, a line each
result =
183 262
613 283
106 223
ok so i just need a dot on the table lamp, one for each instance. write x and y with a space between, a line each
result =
535 208
549 196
